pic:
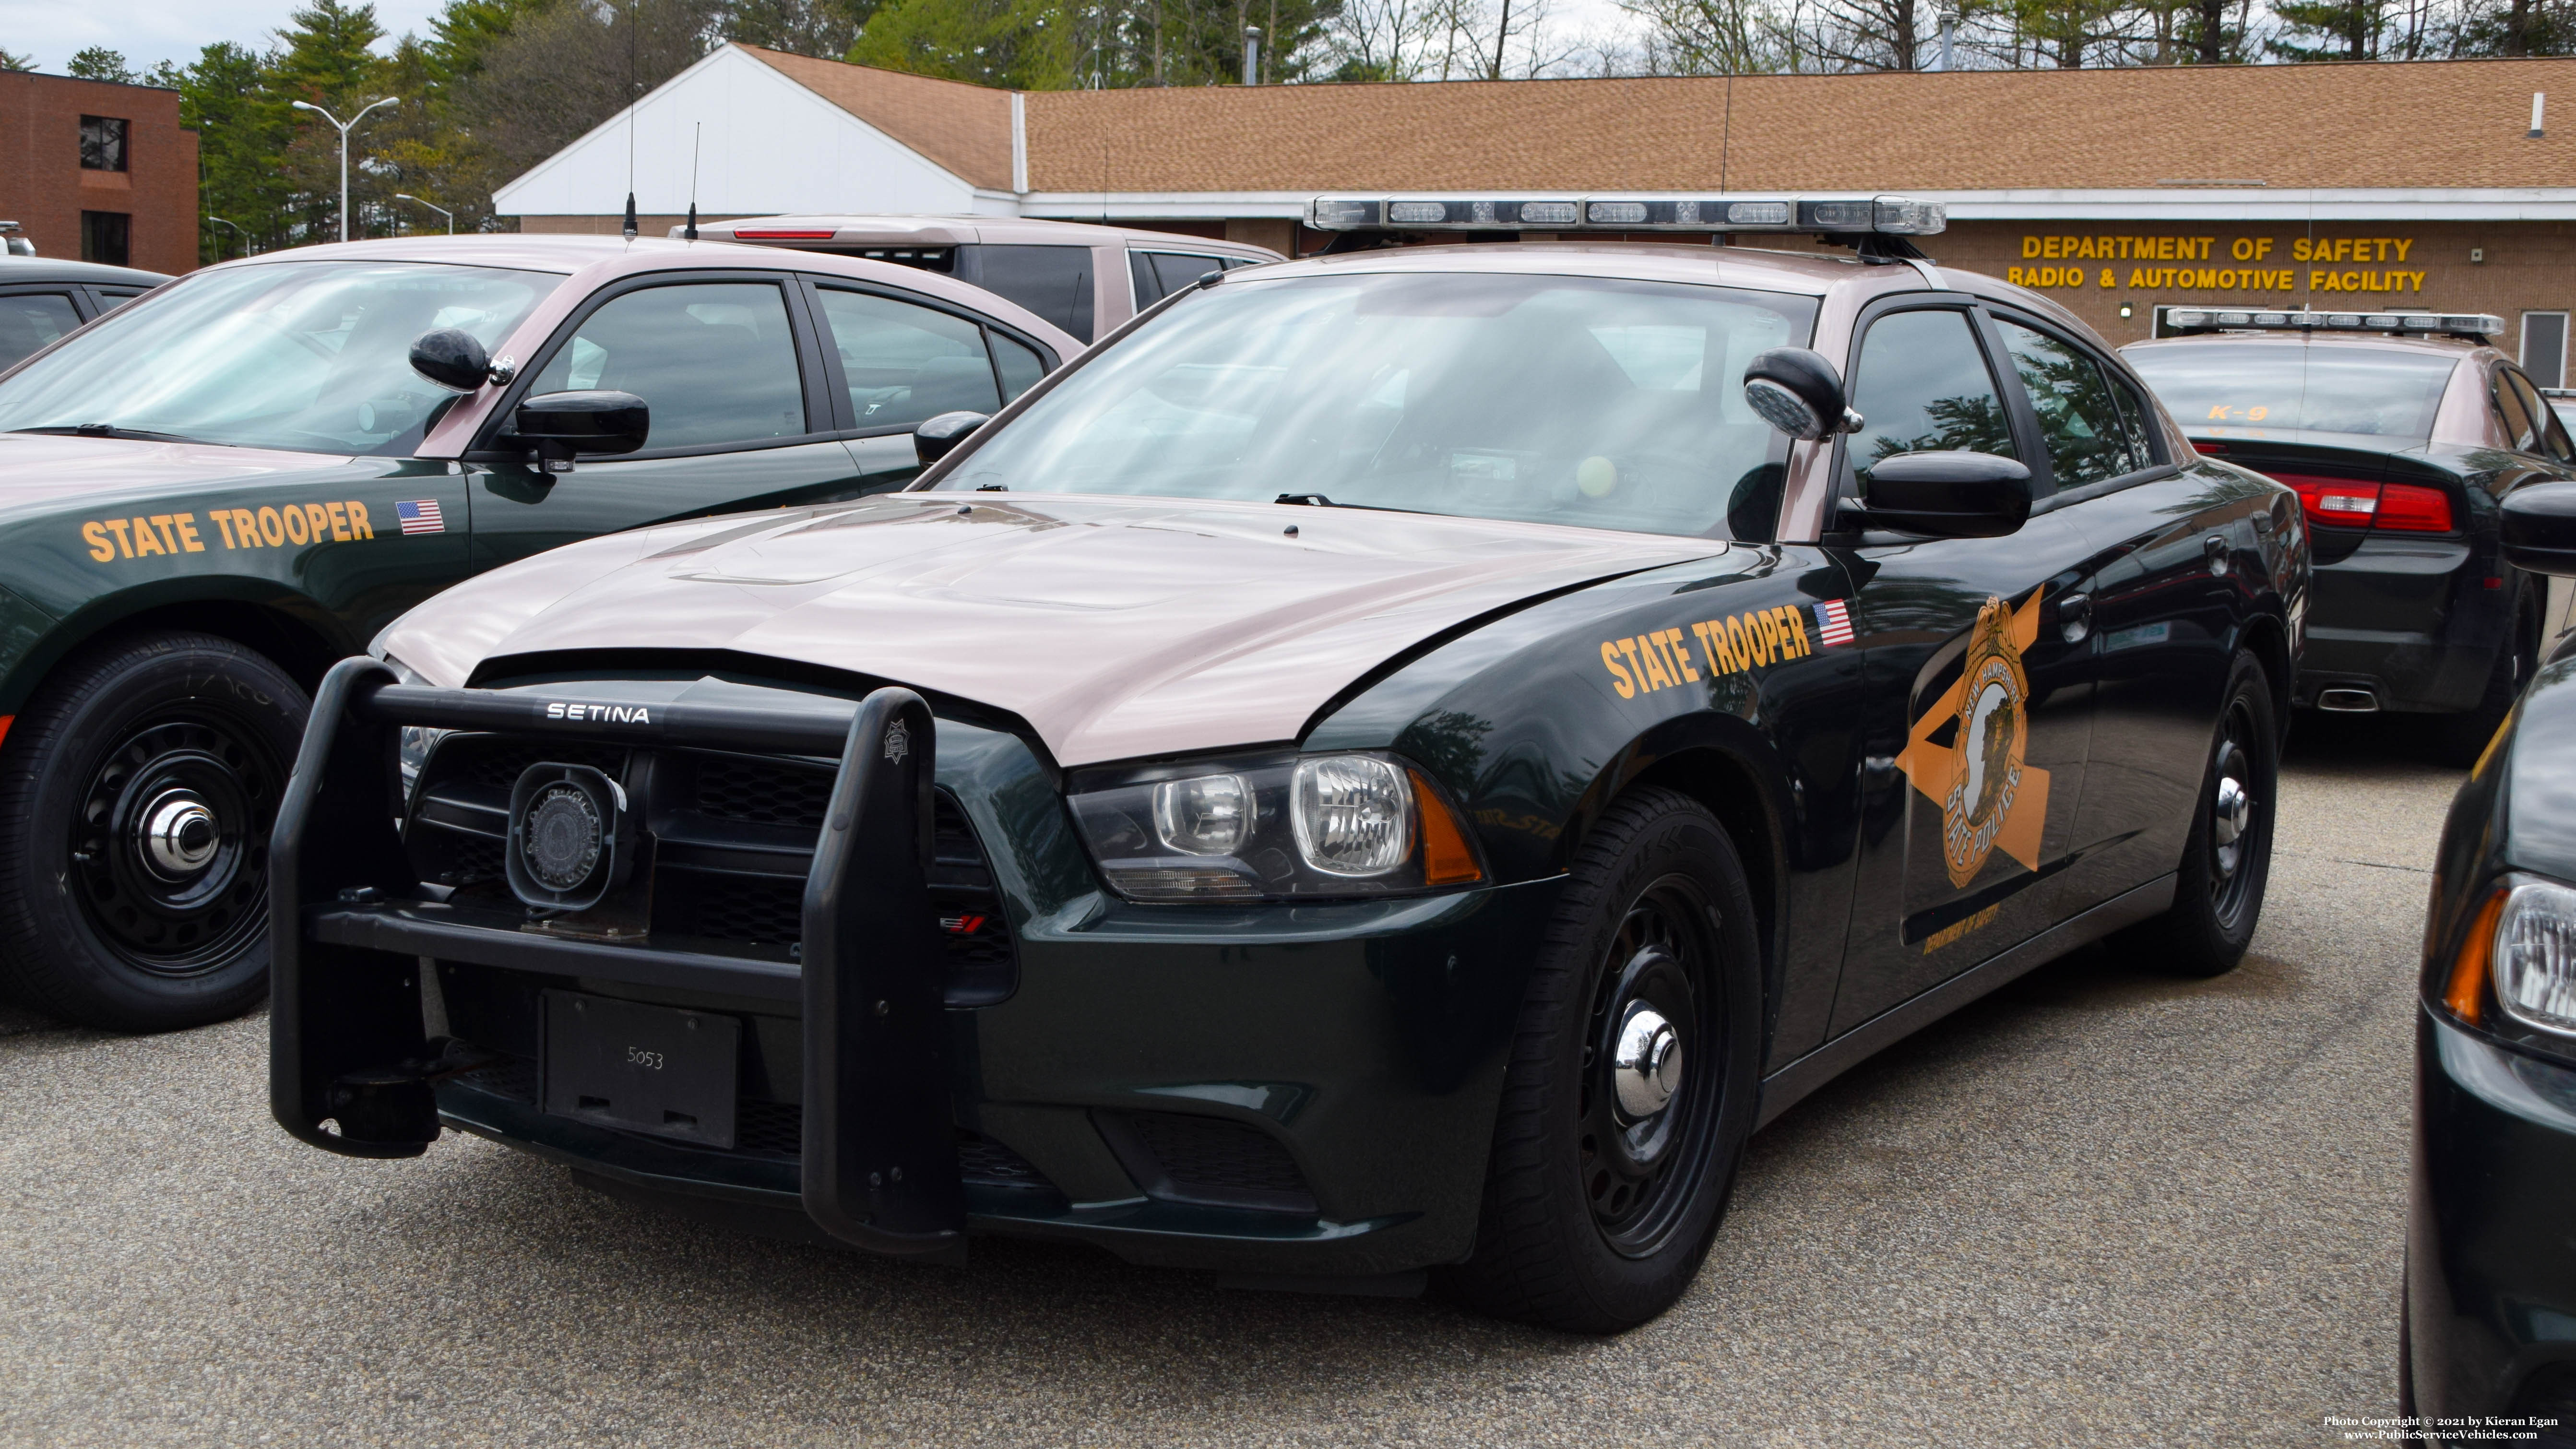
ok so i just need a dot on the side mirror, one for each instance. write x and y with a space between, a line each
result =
1798 392
559 425
937 437
1946 495
450 357
2538 528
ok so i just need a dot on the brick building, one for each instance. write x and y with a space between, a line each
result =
98 171
2341 186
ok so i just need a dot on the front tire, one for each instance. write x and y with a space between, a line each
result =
2227 861
1630 1090
137 790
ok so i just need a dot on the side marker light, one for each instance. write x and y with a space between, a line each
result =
1446 857
2466 995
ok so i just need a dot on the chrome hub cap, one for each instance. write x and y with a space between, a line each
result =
2231 809
179 835
1646 1069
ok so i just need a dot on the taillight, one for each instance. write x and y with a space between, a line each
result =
2345 503
2415 508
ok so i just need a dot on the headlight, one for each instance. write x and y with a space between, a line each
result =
2535 956
1322 825
417 740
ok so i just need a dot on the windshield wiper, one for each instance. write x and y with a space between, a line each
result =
1318 500
106 430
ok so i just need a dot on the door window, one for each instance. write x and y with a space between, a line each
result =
2137 421
1924 387
2079 420
1020 366
906 363
715 362
1172 272
2521 430
2549 434
31 320
1054 282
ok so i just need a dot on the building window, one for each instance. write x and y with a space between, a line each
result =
105 237
2544 347
102 143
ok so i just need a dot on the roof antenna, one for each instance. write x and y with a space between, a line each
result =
1725 137
696 130
630 122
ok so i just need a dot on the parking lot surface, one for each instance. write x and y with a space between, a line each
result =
2102 1206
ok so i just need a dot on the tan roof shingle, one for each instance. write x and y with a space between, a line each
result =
965 128
2416 124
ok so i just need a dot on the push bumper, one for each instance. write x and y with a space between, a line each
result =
351 1066
1360 1045
2491 1269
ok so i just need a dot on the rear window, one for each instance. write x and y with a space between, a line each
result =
2269 387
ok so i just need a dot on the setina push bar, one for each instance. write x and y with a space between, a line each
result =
347 1039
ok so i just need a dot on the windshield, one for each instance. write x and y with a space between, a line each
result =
307 356
2263 387
1594 402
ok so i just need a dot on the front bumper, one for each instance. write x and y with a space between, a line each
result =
2491 1259
1261 1089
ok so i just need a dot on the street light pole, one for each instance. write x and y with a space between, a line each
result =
237 231
345 128
432 205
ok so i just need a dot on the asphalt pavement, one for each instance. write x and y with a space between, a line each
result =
2101 1207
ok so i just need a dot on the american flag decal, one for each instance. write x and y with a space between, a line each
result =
1833 622
422 516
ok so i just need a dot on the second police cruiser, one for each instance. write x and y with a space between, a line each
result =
1393 763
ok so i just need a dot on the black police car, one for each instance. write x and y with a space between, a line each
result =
215 491
1395 761
2400 431
2490 1327
42 299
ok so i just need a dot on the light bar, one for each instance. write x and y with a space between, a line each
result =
1635 211
2176 320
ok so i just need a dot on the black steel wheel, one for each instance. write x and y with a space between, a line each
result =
136 795
1630 1089
2227 857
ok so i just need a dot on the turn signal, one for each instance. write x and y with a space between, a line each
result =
2466 995
1447 859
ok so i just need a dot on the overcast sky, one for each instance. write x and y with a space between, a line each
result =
52 31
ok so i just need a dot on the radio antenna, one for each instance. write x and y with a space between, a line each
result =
697 133
630 121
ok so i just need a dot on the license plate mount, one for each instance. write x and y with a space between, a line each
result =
639 1068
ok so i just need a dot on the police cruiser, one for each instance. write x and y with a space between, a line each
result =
1391 767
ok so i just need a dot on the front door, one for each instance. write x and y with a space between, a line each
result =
740 418
1980 682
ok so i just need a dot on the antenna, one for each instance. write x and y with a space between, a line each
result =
697 131
630 121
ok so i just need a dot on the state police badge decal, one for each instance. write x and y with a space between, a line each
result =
1990 795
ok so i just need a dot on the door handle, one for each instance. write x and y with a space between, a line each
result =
2215 546
2075 617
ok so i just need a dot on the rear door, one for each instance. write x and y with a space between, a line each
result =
741 417
2168 545
893 360
1980 678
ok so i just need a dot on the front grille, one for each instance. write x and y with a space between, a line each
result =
733 833
766 910
512 1077
770 1129
762 792
1203 1159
